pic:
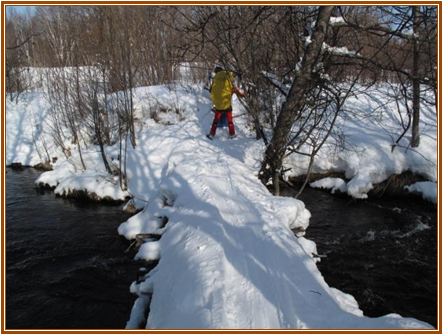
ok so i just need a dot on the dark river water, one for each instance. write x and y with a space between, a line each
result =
66 267
65 262
382 251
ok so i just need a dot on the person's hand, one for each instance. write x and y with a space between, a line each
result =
239 93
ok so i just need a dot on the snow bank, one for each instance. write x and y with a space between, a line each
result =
169 106
102 186
310 247
368 127
68 177
149 251
427 189
334 184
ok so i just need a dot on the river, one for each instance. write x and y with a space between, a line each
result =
65 262
383 251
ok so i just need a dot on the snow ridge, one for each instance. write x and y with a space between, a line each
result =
228 257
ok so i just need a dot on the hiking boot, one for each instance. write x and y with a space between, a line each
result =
210 136
232 136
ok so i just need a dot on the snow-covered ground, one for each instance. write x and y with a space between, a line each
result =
366 130
227 255
26 123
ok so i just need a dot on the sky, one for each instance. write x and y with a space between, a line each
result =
21 9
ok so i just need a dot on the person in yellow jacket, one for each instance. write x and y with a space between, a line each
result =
222 90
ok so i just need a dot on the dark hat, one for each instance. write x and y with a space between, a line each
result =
218 69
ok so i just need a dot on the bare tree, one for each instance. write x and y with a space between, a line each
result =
19 37
295 101
397 42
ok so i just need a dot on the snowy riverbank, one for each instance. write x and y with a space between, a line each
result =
366 129
361 146
227 255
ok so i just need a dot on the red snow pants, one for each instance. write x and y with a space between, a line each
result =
217 118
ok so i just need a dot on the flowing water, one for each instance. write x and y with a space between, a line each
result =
382 251
65 262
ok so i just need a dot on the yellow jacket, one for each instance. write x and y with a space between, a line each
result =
222 89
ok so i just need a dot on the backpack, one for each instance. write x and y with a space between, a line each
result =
221 90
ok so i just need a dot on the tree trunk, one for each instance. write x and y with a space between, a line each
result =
76 137
273 160
415 140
